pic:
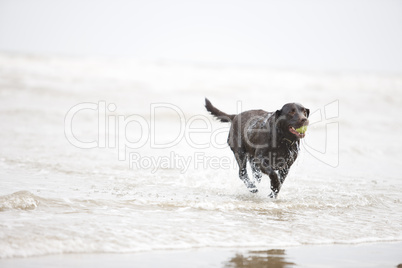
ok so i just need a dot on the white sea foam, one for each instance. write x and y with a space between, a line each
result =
57 198
20 200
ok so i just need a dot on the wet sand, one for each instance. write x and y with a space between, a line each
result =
362 255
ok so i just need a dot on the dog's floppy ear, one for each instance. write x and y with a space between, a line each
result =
308 112
278 113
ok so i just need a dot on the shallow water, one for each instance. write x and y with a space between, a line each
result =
134 192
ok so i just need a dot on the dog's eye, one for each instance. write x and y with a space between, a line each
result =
293 111
305 113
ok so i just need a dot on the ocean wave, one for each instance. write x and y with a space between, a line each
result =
23 200
148 221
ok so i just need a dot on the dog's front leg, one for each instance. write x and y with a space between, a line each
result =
276 182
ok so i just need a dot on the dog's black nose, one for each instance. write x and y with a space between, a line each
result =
303 120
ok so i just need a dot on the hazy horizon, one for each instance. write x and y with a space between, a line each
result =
352 35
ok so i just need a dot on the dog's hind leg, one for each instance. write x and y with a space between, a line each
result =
256 171
241 159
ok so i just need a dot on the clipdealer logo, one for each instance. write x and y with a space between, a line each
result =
112 129
112 132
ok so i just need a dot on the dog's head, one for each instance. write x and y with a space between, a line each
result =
291 117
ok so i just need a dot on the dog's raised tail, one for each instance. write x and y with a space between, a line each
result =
223 117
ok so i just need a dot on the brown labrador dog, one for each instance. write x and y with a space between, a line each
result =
268 140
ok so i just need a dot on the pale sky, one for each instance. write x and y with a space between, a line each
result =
343 35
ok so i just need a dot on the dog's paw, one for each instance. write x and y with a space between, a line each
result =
273 195
251 186
254 190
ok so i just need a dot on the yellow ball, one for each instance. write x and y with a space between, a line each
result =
302 129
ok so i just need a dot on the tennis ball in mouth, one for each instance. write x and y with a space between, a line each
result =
302 129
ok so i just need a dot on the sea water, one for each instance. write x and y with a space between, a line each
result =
119 155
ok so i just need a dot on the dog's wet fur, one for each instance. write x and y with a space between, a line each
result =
268 140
